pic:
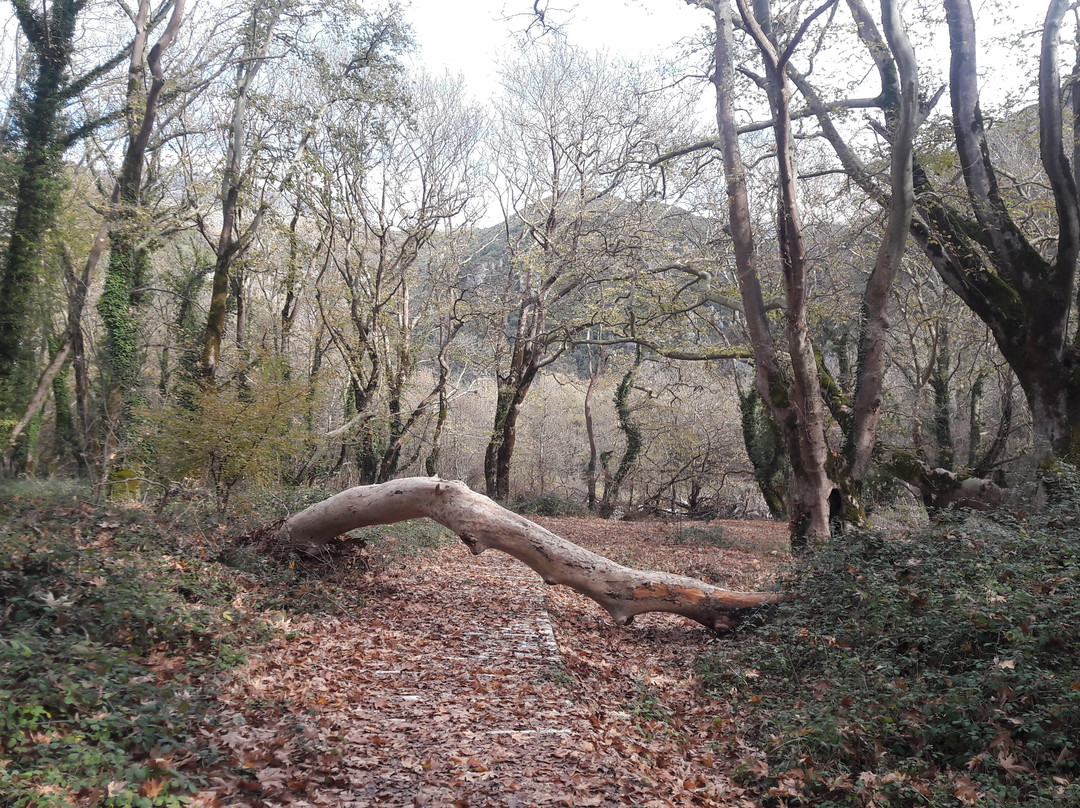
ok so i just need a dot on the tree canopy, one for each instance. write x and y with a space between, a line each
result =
855 282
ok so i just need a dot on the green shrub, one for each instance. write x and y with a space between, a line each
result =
921 670
550 505
229 435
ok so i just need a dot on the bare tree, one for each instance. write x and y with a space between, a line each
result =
395 199
788 381
359 72
574 139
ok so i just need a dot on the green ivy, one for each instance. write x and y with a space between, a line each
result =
943 660
91 600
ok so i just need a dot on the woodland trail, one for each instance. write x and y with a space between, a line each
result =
465 681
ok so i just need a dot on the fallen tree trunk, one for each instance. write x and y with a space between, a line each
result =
482 524
942 488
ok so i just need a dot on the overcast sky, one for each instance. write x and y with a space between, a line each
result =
470 36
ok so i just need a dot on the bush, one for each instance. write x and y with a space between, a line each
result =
921 670
229 434
550 505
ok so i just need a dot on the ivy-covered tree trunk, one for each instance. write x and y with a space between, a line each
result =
592 467
129 253
940 378
65 436
513 387
49 34
765 449
633 441
447 333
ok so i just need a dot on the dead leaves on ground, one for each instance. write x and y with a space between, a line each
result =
445 688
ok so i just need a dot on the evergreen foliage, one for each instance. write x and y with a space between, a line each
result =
84 714
42 134
921 669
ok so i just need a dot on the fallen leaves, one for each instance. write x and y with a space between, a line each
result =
464 681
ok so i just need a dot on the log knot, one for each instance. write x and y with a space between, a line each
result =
472 542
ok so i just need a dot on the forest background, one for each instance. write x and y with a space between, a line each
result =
248 245
252 256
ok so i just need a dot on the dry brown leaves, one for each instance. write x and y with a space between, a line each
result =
446 688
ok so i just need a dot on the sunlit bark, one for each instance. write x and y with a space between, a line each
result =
482 525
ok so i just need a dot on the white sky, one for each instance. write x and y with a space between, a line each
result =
469 36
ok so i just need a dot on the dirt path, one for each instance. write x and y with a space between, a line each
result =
465 681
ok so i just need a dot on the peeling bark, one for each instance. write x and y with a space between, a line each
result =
482 524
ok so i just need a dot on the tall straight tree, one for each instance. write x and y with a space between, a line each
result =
793 398
129 253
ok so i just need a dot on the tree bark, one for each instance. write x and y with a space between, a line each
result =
46 134
513 388
482 524
873 345
943 488
119 305
592 470
50 35
990 263
78 288
231 240
632 434
795 403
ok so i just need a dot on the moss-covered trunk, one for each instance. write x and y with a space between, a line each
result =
50 36
633 441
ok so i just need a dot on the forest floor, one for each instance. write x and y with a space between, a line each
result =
159 661
462 681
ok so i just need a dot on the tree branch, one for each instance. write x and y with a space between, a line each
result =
482 525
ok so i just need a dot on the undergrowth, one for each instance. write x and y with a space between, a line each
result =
706 536
938 668
550 505
115 628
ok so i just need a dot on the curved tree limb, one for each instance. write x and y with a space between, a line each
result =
482 524
944 488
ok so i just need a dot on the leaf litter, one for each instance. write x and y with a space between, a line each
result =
464 681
